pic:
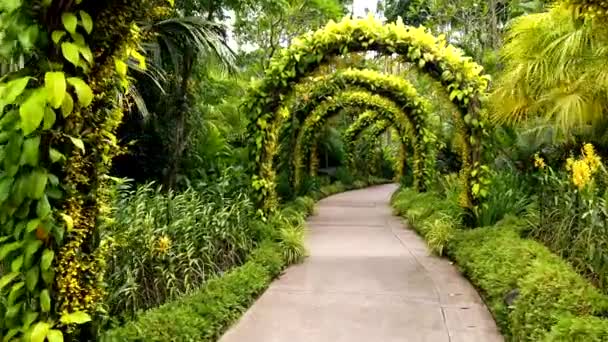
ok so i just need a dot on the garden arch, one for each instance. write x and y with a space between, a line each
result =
370 123
460 77
396 89
308 134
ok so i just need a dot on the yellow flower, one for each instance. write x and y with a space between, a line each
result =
163 244
581 173
539 162
592 159
569 163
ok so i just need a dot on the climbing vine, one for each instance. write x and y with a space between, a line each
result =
461 77
58 116
374 126
309 132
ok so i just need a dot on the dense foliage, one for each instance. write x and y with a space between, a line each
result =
152 153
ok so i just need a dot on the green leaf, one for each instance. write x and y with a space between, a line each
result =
55 155
70 52
45 300
16 292
8 248
32 111
43 208
78 143
49 118
30 152
57 35
55 335
86 53
13 89
31 278
86 21
8 278
29 318
67 106
32 225
83 91
17 263
38 180
39 332
27 37
55 85
69 21
77 317
47 259
5 188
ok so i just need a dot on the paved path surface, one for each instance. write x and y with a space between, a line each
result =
368 279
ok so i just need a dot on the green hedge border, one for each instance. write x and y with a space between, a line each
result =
533 294
205 315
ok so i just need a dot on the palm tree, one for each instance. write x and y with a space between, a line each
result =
555 69
179 48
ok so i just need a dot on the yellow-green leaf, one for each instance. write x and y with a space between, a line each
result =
39 332
77 317
13 89
70 52
86 53
49 118
8 278
32 111
78 143
55 335
55 155
45 300
57 35
69 221
69 21
86 21
47 259
55 85
67 106
83 91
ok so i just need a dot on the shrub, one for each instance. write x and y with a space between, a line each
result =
534 294
551 289
206 314
575 329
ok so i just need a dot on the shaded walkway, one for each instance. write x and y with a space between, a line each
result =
367 280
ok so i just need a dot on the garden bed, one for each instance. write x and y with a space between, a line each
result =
534 294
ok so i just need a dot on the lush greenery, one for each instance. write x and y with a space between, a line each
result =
534 294
158 157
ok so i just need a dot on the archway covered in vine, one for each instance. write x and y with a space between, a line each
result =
399 91
371 125
461 78
308 134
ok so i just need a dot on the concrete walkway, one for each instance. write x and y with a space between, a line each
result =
368 279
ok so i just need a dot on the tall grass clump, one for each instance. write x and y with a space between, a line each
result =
169 243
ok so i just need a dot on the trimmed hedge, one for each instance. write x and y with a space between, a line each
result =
534 294
205 315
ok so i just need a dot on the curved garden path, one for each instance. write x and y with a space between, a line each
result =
367 279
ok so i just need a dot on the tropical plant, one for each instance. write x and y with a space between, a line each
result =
554 70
